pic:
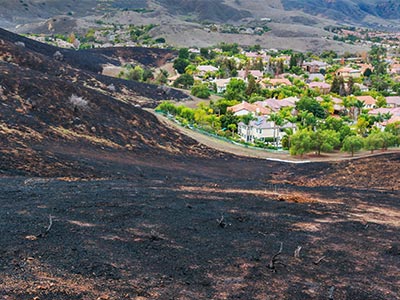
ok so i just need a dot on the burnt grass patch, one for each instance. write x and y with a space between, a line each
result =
158 238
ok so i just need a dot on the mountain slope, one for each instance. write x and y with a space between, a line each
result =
49 108
347 10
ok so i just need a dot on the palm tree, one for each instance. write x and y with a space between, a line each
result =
278 122
359 106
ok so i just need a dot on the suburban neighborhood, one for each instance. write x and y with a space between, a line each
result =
287 100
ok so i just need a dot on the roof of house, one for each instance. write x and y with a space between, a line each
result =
394 119
315 63
393 100
320 85
395 66
207 68
318 76
254 108
348 70
275 104
263 122
245 73
381 110
279 81
292 100
222 82
368 100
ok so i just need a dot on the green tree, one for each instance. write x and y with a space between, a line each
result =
381 101
183 53
387 138
251 85
311 105
184 81
352 144
278 122
228 119
235 90
232 127
300 143
180 65
201 90
324 140
135 74
373 142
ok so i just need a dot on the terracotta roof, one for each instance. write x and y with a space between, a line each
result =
255 73
393 100
279 81
320 85
394 119
275 104
254 108
368 100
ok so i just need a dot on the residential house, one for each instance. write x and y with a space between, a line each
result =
322 87
261 129
221 84
274 104
314 66
364 67
246 108
382 111
254 56
347 72
316 77
338 106
292 100
363 88
257 74
277 82
393 101
395 68
393 112
369 101
202 70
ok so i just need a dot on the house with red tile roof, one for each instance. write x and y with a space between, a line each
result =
393 101
276 82
257 74
369 101
323 87
246 108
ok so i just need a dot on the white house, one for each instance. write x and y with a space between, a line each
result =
261 129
